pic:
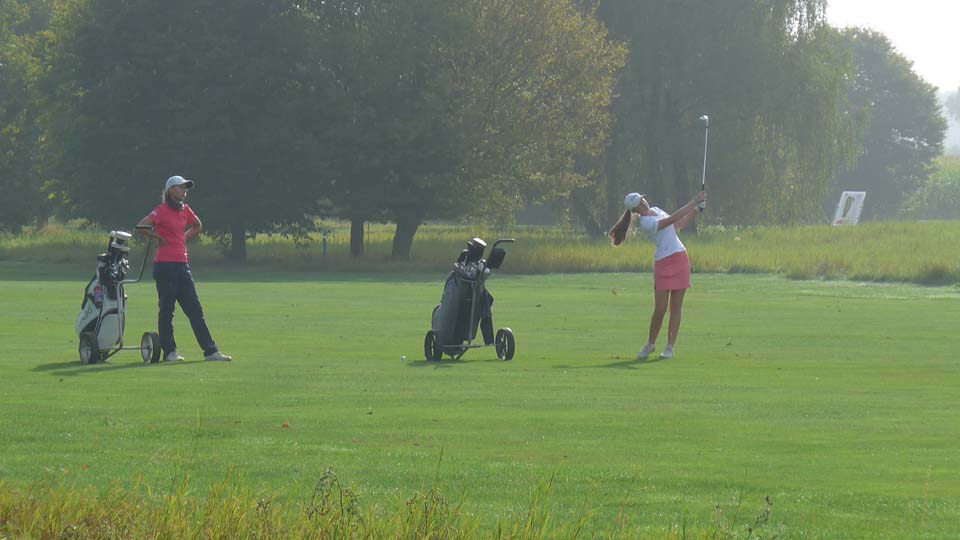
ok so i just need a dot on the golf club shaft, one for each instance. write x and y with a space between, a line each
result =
706 139
703 179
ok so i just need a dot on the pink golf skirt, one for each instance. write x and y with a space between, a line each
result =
672 272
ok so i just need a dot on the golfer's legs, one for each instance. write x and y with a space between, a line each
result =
661 299
676 310
167 290
190 303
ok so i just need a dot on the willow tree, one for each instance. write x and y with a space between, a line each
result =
772 83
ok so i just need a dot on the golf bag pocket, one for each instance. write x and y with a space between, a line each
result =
496 258
444 320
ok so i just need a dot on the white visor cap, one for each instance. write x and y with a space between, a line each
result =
632 200
177 181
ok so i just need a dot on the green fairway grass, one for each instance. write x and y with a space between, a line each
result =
839 401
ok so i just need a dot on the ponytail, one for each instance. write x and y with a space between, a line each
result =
618 233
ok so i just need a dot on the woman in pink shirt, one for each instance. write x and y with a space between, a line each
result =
172 223
671 266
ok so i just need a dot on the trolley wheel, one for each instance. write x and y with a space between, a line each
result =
431 347
150 347
89 348
505 343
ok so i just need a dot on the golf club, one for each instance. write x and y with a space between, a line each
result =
706 136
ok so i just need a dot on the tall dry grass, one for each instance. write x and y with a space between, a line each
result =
919 252
233 511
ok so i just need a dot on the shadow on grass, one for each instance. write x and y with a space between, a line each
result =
628 363
74 368
449 363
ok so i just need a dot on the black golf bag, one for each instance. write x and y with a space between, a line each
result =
466 304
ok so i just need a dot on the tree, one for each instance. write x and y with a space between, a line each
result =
939 195
905 131
765 74
21 169
951 108
224 93
546 78
468 107
953 104
389 82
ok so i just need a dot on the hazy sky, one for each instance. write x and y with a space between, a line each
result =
924 31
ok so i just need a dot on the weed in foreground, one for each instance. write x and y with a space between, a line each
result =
231 511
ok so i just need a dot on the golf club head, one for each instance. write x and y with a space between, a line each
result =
705 119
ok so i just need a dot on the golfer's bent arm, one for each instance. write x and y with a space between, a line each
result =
194 229
145 227
681 213
685 220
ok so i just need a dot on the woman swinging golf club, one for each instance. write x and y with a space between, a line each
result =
671 268
172 223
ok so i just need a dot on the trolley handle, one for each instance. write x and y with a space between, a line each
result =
146 253
502 240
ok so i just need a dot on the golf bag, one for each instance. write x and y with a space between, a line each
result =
100 323
466 304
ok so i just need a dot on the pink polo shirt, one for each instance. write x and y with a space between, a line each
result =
171 225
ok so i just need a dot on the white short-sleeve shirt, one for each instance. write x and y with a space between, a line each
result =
666 238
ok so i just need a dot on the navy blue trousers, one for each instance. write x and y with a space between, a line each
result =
175 285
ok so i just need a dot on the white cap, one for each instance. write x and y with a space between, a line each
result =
632 200
177 181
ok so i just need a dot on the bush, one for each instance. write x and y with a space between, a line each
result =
939 196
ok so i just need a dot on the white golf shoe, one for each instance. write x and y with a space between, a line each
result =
667 353
646 351
173 356
218 357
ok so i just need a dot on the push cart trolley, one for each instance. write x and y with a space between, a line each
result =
101 321
466 304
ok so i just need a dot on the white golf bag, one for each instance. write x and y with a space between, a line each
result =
100 323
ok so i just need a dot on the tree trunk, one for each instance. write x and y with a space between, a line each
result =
238 242
356 237
585 215
613 192
407 226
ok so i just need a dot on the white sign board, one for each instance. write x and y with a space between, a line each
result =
849 207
